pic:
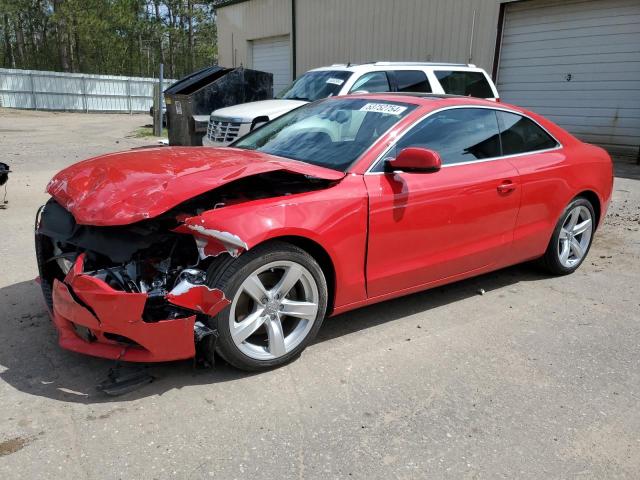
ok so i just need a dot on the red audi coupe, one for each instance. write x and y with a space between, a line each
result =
169 253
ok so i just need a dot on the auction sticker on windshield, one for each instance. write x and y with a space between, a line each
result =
383 108
335 81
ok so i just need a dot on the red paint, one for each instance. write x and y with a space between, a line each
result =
76 269
414 159
386 235
126 187
201 298
334 219
428 226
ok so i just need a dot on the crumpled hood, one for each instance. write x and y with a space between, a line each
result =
126 187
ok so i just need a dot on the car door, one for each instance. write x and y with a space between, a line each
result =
427 227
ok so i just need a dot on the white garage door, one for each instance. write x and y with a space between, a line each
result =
273 55
578 63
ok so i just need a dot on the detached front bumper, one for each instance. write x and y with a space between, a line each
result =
94 319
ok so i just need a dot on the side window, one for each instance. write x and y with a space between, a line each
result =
412 81
458 135
372 82
472 84
520 135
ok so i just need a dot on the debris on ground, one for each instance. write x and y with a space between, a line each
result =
4 177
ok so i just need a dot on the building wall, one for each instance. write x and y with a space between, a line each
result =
240 23
554 38
339 31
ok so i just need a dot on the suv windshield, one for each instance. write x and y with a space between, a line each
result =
328 133
314 86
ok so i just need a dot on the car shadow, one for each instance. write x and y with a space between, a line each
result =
32 362
626 167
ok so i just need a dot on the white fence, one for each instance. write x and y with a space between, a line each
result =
34 89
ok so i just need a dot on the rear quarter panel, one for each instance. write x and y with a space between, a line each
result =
550 180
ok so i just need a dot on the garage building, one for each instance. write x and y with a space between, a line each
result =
574 61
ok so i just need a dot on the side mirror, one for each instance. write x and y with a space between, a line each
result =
417 160
258 122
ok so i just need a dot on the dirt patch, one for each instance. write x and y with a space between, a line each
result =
13 445
106 415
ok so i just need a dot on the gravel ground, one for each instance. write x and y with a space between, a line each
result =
537 378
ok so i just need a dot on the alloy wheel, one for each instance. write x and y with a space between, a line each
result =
274 310
575 236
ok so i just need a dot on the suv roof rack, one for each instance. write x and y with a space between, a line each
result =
386 63
427 64
420 94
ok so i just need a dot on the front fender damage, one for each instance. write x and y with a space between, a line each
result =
211 242
139 292
151 304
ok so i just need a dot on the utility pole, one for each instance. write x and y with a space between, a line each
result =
159 101
161 93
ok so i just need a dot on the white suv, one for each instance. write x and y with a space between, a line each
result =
228 124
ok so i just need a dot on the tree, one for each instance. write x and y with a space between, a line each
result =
120 37
61 34
8 60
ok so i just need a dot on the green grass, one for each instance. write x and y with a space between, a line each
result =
147 131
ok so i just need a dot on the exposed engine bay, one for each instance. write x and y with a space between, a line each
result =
145 257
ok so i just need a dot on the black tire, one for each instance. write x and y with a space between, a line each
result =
551 261
228 276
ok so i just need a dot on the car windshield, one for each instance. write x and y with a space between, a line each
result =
314 86
328 133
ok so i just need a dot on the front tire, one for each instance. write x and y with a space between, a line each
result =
571 239
278 296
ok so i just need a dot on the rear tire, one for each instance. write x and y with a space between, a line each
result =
571 239
278 296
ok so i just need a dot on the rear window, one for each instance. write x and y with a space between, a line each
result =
472 84
412 81
520 135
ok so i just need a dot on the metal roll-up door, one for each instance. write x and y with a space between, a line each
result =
273 55
578 63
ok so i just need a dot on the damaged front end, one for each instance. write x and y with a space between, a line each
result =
136 293
140 292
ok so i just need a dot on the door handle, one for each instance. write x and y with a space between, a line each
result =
507 186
